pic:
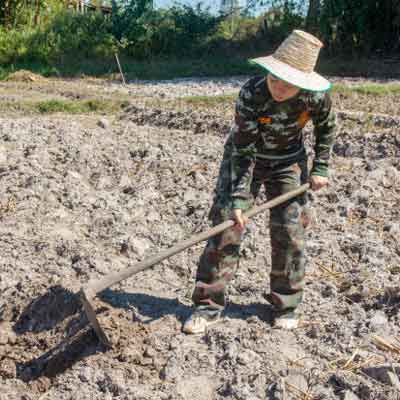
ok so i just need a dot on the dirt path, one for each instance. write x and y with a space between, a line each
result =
83 195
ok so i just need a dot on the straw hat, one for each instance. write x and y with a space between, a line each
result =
294 62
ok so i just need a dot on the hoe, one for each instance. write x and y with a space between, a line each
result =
88 293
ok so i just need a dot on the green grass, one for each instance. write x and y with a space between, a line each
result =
75 107
133 69
209 101
79 107
160 69
368 89
170 69
44 70
358 66
65 106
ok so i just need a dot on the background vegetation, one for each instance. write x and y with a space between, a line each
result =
57 37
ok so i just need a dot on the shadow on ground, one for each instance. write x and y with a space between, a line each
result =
47 310
57 304
54 317
61 357
154 307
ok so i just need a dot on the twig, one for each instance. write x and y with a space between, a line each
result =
351 359
351 365
298 393
44 395
385 345
120 69
283 383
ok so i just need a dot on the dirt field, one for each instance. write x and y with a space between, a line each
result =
82 195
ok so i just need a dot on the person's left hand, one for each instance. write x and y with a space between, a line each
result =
318 182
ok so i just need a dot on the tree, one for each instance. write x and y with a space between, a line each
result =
312 19
14 13
229 7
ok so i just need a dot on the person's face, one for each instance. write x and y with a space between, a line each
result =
281 90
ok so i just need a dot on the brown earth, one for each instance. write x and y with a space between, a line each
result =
84 195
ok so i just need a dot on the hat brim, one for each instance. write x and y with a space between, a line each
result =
308 81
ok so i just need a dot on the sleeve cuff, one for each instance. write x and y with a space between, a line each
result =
320 170
241 204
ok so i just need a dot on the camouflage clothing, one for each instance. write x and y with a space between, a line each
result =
266 130
266 149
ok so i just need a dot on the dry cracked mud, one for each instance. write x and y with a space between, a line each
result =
84 195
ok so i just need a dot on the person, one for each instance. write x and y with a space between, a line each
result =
266 148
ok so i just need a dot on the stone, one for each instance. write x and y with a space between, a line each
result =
189 195
362 196
42 384
8 369
393 228
328 289
85 374
113 383
171 370
247 357
377 175
297 380
3 155
312 332
131 355
378 321
7 334
321 392
196 388
349 395
103 123
201 181
394 379
393 175
153 216
387 374
150 352
139 246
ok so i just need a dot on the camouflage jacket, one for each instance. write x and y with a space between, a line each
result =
266 130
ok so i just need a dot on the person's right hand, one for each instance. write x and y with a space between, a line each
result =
240 219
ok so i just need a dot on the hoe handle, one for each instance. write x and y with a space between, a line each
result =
111 279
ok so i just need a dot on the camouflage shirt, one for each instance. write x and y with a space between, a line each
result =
265 129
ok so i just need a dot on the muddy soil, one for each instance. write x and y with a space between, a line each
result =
84 195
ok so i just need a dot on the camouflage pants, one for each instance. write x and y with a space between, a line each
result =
220 259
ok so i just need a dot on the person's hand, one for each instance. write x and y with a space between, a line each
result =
240 219
318 182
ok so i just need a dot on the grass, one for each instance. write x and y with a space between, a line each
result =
367 89
76 107
66 106
357 66
133 69
218 66
44 70
209 101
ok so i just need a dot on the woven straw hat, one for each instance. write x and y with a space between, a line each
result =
294 62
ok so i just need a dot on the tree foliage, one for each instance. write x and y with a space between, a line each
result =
346 26
361 26
50 31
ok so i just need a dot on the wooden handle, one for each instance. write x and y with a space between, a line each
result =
111 279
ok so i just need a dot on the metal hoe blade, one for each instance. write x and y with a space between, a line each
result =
91 316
